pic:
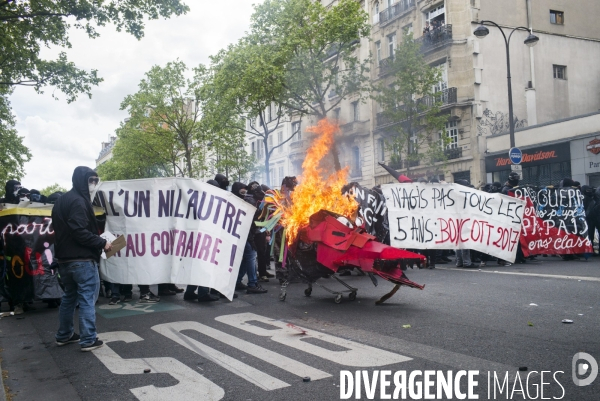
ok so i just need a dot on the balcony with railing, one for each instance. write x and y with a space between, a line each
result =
445 97
450 154
385 65
435 38
298 145
454 153
395 11
354 127
411 163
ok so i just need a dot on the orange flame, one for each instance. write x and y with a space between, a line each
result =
315 193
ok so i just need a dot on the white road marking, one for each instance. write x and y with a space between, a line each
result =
417 350
581 278
192 385
246 372
356 354
173 331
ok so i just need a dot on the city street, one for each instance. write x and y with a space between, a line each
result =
494 319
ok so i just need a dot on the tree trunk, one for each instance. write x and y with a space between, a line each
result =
267 159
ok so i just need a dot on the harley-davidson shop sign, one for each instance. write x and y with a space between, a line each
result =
594 146
532 157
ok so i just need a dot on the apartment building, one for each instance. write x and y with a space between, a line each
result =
557 79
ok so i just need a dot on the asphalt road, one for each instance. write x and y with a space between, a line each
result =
496 320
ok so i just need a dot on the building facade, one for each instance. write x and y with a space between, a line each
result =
106 151
557 80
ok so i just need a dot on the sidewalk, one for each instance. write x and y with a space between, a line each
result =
29 363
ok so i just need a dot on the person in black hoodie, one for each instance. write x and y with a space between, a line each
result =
222 181
11 190
77 248
511 183
251 195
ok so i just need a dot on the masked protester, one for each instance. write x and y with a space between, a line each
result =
222 181
23 195
52 198
261 240
11 189
77 248
36 196
511 183
248 266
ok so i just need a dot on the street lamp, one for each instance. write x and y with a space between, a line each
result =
481 32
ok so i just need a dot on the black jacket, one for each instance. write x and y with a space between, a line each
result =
75 228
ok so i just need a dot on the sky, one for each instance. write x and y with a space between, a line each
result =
62 136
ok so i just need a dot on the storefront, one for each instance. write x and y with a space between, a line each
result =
542 166
585 163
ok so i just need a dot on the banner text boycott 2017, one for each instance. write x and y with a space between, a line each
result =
451 216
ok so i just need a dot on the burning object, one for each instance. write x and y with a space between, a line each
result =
315 233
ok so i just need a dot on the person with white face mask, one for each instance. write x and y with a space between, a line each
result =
93 186
11 190
23 195
77 248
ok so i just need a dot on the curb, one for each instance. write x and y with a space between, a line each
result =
2 389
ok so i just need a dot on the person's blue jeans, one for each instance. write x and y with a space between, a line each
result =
248 266
82 285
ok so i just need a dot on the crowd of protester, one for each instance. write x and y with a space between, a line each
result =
256 260
470 258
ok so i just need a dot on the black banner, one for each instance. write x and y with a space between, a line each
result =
28 255
372 211
554 221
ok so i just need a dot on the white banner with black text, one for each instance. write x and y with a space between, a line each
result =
178 230
452 216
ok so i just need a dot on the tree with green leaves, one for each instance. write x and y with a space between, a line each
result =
50 189
13 153
229 156
241 86
133 157
316 51
165 133
412 104
313 54
27 26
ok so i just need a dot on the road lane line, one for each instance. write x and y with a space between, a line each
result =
582 278
355 354
172 331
